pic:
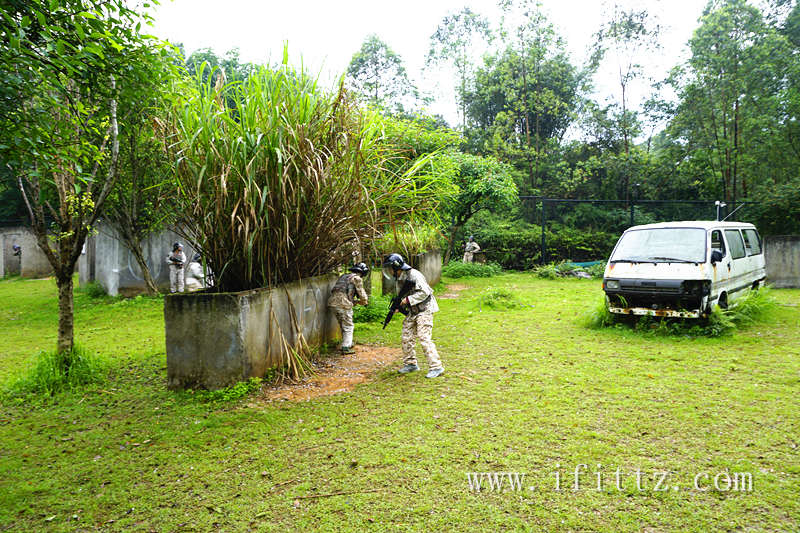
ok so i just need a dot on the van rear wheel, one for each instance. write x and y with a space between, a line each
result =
723 300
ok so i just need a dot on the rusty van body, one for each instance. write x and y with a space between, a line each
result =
683 269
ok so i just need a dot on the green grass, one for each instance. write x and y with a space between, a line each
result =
525 389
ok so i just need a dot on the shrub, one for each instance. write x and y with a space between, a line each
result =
518 245
374 312
54 372
93 289
459 269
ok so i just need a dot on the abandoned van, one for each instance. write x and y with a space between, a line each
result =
682 269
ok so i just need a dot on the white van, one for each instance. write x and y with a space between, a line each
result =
682 269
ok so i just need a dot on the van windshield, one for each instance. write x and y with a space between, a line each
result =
662 245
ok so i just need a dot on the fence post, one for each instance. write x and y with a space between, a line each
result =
631 212
544 240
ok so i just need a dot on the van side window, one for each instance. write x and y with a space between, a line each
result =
752 241
735 242
716 242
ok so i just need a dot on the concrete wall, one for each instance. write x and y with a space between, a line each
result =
216 340
782 255
429 263
33 263
107 261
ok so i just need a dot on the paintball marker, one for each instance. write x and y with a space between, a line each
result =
397 301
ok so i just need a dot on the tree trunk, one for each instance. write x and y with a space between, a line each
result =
66 322
136 250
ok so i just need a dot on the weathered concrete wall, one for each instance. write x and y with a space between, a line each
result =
107 261
215 340
33 263
429 263
782 255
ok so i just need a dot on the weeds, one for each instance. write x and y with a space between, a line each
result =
749 309
234 392
459 269
499 299
55 372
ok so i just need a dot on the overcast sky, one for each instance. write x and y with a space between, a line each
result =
325 33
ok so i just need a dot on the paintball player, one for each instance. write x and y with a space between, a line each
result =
418 324
348 289
176 260
470 249
17 250
195 278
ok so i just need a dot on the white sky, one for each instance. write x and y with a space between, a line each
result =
325 33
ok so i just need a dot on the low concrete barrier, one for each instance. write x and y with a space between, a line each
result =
32 263
109 262
782 255
216 340
429 263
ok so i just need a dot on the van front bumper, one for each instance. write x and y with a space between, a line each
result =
656 312
662 298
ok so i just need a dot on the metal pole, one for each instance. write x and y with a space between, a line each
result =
544 241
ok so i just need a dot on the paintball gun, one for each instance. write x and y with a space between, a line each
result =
397 301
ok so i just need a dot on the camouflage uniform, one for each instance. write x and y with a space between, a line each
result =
470 249
419 322
347 288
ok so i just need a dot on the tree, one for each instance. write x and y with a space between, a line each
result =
479 183
65 64
730 119
378 75
140 203
454 41
628 34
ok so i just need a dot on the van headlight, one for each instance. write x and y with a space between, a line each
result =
612 284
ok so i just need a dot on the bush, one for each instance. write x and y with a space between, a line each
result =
93 289
517 245
459 269
374 312
54 372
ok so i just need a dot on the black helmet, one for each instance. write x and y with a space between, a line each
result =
360 268
471 238
197 257
397 262
176 246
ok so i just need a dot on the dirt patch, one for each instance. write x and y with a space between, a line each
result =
453 291
335 374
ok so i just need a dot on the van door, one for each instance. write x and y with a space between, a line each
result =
720 272
755 255
739 274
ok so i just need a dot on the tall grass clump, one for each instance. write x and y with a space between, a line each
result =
409 240
279 179
54 372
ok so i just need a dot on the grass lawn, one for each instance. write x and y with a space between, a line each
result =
527 390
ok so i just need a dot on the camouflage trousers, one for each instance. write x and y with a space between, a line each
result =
419 326
345 318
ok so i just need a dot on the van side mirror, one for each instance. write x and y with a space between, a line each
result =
716 256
